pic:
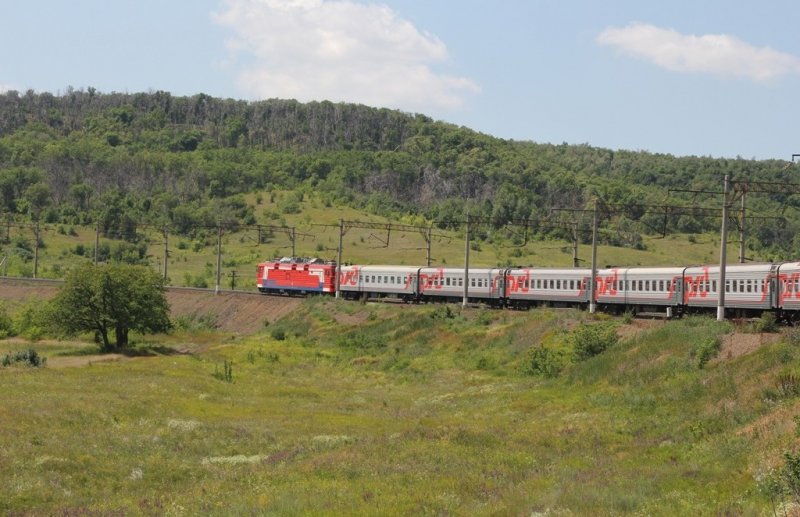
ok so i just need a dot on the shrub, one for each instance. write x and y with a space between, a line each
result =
32 321
627 317
29 357
589 340
546 362
6 324
767 323
706 350
199 281
442 312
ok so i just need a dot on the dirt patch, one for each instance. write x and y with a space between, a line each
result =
735 345
240 313
636 327
82 360
231 312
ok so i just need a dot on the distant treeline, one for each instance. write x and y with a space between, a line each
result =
116 159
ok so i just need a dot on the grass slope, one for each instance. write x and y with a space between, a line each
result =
192 262
344 408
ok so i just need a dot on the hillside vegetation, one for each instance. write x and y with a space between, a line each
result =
121 161
347 408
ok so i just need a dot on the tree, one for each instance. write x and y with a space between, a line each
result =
118 297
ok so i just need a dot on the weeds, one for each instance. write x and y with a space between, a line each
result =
767 323
6 324
195 323
29 357
788 385
226 374
705 350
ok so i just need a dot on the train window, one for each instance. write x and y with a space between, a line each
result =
749 285
713 286
558 284
735 286
472 282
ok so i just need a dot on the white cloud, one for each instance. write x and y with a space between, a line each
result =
716 54
339 50
6 88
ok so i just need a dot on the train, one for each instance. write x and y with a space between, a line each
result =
750 289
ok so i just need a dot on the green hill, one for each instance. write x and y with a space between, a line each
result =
128 162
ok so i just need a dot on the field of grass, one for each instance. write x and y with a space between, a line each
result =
347 408
193 261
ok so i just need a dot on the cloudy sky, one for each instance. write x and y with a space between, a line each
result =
702 77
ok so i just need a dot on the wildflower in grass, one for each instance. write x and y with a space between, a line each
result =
183 425
325 441
234 460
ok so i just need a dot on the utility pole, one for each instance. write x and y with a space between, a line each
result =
339 259
96 241
593 280
466 264
166 253
293 237
219 257
36 249
430 236
575 260
742 228
723 258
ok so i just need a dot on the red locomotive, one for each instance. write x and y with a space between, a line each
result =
294 275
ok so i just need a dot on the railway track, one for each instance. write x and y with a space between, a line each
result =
22 281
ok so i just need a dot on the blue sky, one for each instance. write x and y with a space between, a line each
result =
708 78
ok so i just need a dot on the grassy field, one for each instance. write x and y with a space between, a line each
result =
352 409
193 261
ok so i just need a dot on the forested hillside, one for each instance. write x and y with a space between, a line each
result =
126 159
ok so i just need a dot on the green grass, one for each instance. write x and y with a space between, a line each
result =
380 409
193 260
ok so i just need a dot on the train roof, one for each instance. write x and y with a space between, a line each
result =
737 268
382 269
